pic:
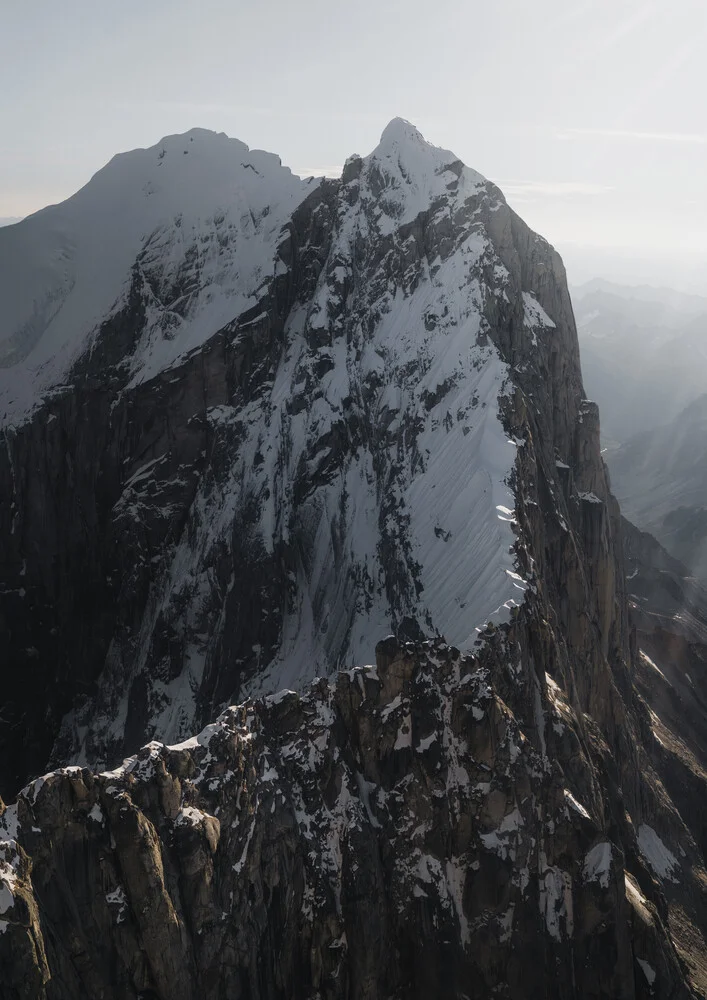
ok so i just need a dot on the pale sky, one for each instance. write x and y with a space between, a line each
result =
589 114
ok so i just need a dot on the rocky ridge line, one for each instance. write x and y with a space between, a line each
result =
395 834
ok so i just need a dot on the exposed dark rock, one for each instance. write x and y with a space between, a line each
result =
397 833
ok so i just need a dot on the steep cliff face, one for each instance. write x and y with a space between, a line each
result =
394 436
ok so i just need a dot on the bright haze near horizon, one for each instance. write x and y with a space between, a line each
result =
590 116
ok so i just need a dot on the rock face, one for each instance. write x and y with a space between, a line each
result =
396 834
669 611
394 436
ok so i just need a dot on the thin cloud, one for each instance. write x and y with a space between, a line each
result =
695 138
271 110
552 189
629 25
620 33
329 171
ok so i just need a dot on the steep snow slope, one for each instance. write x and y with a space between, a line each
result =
404 347
196 218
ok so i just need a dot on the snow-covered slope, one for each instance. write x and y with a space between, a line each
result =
296 394
195 219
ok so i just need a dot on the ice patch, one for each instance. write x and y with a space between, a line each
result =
9 823
426 743
456 879
654 666
636 897
7 899
189 816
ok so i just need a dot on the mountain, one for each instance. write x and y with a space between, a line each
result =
644 354
660 478
221 520
253 425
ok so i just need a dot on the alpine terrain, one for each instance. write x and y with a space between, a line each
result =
314 604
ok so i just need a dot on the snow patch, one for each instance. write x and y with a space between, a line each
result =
597 864
647 970
535 316
96 814
659 857
556 903
577 806
503 840
118 903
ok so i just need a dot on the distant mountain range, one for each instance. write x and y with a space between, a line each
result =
660 478
644 354
644 360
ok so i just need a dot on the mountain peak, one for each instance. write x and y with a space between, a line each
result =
400 130
203 138
406 149
402 142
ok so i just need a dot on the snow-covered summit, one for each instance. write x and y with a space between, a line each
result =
194 220
401 141
199 210
406 174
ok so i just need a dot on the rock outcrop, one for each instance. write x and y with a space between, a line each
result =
399 833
